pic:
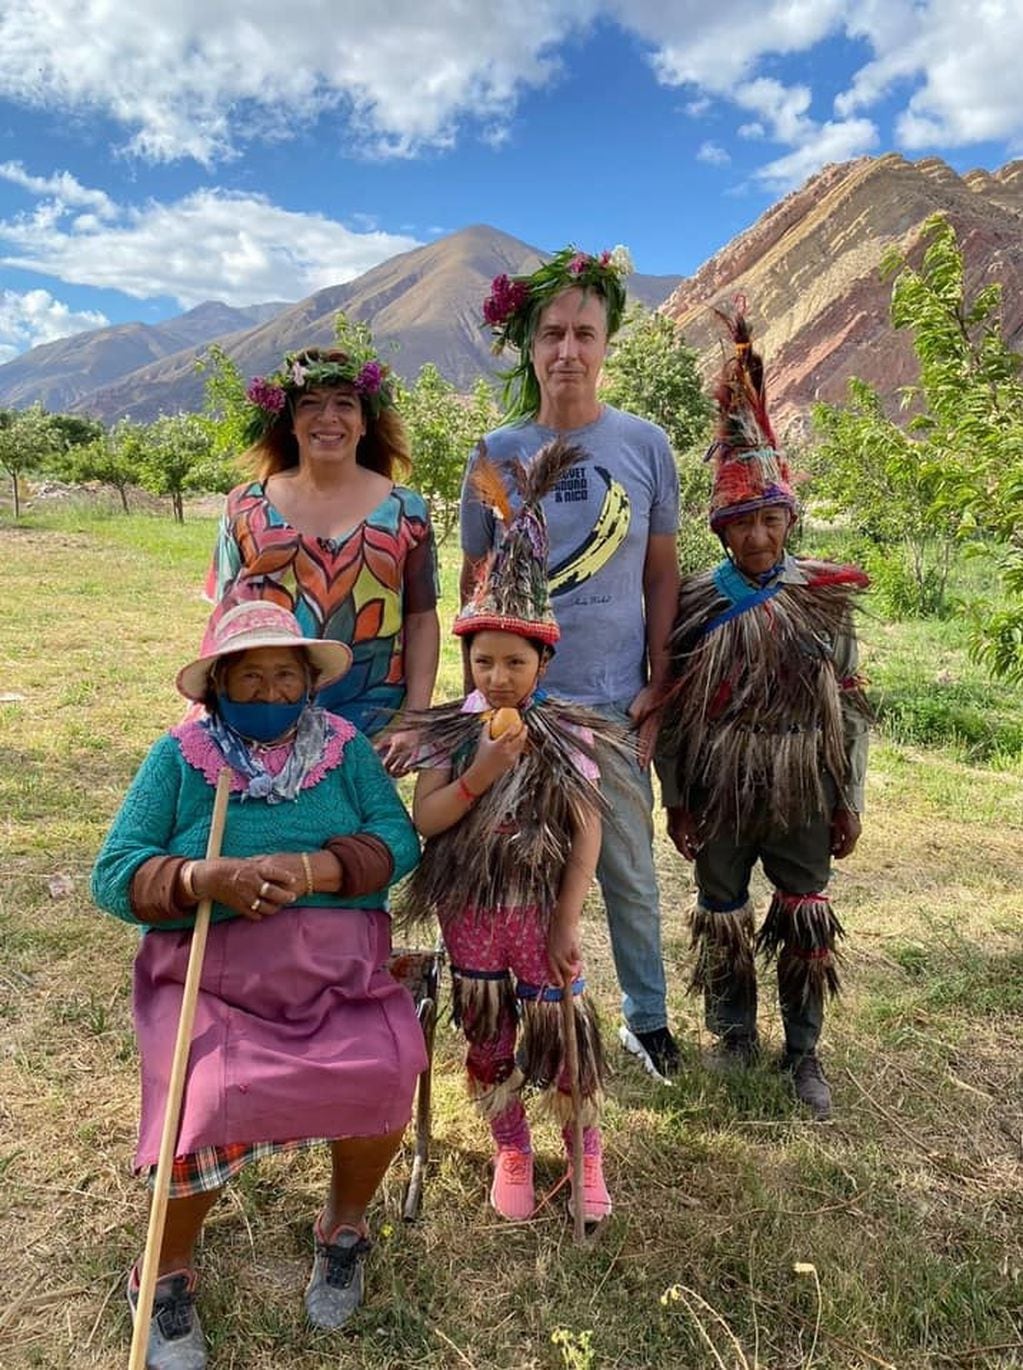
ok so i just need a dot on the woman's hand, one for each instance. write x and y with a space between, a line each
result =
254 886
563 952
397 751
495 756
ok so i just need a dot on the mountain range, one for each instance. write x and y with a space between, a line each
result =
807 269
425 303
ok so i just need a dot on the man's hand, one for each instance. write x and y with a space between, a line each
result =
845 832
684 831
647 720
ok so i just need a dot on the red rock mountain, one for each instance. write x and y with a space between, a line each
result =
809 270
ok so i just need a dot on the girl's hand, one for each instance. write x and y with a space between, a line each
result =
254 886
495 757
563 953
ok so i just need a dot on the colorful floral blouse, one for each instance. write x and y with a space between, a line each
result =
356 588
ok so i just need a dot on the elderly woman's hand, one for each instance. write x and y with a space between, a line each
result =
254 886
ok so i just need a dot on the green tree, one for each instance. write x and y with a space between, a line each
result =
652 372
176 457
889 483
114 459
27 443
443 426
224 409
955 470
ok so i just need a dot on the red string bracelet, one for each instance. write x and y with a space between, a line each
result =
465 792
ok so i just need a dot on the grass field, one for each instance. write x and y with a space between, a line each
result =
743 1236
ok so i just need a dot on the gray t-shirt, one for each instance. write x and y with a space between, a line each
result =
600 517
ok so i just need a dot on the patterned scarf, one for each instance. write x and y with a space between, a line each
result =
307 748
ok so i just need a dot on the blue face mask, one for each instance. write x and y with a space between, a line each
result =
260 721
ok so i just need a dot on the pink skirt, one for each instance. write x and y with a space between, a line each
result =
300 1031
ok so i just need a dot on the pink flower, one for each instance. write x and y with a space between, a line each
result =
578 264
506 298
370 378
265 395
605 257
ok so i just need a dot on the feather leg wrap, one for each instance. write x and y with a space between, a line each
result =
491 1098
801 932
723 942
542 1056
482 1004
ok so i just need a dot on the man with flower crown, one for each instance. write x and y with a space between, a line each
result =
763 746
612 520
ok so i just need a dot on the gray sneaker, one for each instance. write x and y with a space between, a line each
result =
337 1281
176 1341
809 1082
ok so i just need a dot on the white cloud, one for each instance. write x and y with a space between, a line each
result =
713 153
963 59
831 142
211 245
64 188
196 78
35 317
953 61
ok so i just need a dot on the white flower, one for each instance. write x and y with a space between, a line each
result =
621 262
297 374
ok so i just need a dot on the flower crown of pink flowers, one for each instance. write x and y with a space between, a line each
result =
268 395
514 300
515 303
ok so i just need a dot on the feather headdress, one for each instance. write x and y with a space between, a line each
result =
750 472
511 592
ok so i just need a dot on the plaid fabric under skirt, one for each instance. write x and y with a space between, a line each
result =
212 1166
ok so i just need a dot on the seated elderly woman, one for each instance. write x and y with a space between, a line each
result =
301 1034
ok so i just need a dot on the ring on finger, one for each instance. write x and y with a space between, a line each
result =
254 906
263 889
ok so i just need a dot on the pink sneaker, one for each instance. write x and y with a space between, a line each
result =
596 1199
512 1191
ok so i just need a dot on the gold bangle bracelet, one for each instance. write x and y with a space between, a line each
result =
187 872
307 867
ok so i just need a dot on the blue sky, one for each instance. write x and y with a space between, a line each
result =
193 151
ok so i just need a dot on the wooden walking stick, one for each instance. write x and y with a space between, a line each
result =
175 1093
572 1061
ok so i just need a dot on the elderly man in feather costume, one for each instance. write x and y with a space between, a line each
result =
763 744
512 811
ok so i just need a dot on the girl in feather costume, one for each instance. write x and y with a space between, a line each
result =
507 797
764 741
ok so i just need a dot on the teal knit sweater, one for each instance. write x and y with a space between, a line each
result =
169 806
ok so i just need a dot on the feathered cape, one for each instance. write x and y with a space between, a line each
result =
753 715
511 847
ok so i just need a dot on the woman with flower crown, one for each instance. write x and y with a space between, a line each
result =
324 530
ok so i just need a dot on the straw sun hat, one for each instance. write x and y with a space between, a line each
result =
257 623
